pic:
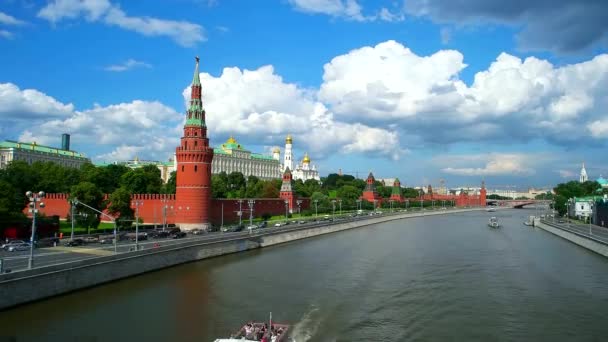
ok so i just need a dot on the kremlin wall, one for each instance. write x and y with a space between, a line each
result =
192 206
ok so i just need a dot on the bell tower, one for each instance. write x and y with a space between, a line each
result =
193 157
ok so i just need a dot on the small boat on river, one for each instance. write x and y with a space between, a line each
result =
493 222
530 221
260 332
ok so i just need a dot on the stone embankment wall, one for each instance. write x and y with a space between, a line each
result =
583 241
25 286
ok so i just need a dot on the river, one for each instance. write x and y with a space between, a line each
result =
447 277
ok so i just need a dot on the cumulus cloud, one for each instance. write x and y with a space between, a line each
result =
566 174
127 65
10 20
260 105
562 26
182 32
512 99
18 104
493 164
143 126
338 8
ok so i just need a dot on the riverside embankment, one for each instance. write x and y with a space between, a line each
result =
25 286
582 235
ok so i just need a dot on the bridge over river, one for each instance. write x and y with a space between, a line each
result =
518 204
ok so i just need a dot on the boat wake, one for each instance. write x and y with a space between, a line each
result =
307 327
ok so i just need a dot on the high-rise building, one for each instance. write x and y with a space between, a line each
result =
194 156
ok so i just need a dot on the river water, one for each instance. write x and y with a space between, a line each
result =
447 277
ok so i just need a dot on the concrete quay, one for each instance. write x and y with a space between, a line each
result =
595 244
25 286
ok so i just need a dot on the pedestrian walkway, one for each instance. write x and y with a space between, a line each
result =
91 251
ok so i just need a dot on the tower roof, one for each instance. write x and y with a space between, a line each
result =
288 140
276 150
196 79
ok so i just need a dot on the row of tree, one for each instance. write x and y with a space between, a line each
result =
89 184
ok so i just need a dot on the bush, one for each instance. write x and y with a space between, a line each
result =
266 216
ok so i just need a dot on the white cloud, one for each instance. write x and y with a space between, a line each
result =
10 20
598 129
183 32
494 164
446 35
127 65
337 8
258 104
512 99
386 15
147 127
6 34
17 104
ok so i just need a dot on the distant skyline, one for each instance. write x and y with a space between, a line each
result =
423 90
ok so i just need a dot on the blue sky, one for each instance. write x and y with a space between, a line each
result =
421 90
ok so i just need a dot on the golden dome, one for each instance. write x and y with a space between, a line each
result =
288 140
231 140
276 150
306 158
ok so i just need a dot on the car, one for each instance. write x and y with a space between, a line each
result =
91 239
106 240
75 242
11 243
159 234
278 224
18 247
302 222
252 227
198 231
561 221
47 242
263 224
178 235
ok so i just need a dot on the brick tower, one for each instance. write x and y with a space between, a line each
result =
396 194
482 194
370 194
287 189
193 156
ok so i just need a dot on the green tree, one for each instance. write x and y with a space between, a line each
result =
89 194
219 185
120 205
349 195
143 180
11 205
269 190
236 185
171 185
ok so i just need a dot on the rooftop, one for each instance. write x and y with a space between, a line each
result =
39 148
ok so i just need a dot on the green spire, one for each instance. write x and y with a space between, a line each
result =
196 80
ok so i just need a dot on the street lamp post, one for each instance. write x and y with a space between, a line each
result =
34 198
359 204
391 203
316 209
299 202
222 224
137 204
251 203
407 204
375 205
421 204
286 209
340 203
590 226
240 213
433 204
333 208
72 205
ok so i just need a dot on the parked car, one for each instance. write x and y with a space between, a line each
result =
264 224
106 240
75 242
302 222
47 242
278 224
252 227
159 234
18 247
198 231
91 239
12 243
178 235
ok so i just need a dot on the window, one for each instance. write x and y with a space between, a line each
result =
195 168
195 143
196 134
182 168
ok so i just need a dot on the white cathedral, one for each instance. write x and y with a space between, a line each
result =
303 171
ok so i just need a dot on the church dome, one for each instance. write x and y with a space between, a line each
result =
276 150
306 158
603 181
231 144
288 140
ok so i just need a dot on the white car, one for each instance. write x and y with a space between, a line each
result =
18 247
12 243
278 224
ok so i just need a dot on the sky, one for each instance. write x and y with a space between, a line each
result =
513 93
